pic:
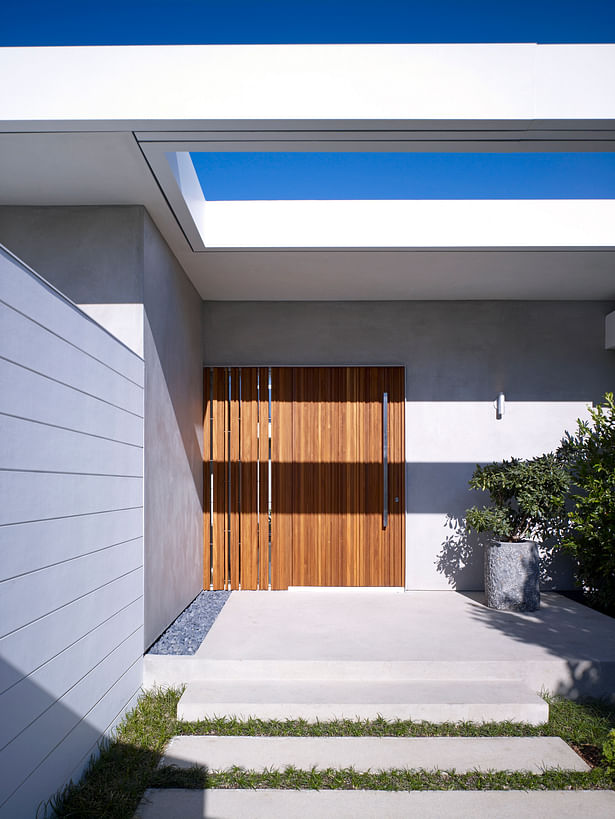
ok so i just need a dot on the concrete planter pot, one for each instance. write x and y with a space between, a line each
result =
512 574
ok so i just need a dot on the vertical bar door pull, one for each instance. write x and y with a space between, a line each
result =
385 460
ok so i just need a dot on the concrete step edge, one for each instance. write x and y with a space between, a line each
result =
433 701
338 804
175 669
463 754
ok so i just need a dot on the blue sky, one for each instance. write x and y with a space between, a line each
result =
232 176
121 22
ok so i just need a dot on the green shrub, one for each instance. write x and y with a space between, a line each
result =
527 498
590 457
608 752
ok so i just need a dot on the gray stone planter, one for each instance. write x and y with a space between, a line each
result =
512 573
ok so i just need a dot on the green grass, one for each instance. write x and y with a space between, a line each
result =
391 780
115 782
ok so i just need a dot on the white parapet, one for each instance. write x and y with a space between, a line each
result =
421 82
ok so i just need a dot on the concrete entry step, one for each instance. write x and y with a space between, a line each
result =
265 804
172 670
432 701
462 754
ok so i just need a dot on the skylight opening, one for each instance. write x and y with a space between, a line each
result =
271 176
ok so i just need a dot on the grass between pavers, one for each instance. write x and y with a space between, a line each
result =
390 780
115 782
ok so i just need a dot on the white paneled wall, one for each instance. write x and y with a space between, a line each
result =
71 536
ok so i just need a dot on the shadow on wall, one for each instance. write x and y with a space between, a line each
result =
461 558
442 489
43 742
46 743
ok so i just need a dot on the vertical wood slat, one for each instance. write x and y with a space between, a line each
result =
263 465
207 515
220 463
304 479
281 465
248 470
234 569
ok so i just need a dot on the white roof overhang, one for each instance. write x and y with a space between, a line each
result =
93 125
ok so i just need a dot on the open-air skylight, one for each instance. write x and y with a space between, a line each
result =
349 199
249 176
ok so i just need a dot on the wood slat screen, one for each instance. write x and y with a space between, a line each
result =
293 477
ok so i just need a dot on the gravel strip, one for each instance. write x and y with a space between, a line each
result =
187 632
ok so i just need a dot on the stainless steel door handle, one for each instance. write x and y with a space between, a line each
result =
385 460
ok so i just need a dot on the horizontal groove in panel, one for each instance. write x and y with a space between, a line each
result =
30 345
26 701
57 563
118 697
28 547
25 650
26 394
28 445
30 496
60 585
24 292
69 758
75 344
71 387
32 746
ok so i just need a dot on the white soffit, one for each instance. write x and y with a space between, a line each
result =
409 223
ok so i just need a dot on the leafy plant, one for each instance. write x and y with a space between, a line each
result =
608 752
590 457
527 498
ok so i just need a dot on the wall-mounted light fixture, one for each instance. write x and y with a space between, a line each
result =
500 404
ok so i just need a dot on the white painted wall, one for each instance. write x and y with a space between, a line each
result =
188 84
71 537
124 321
547 357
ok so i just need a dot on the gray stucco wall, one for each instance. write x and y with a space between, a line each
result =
547 357
108 258
71 537
173 437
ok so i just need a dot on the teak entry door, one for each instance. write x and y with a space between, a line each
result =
340 534
306 477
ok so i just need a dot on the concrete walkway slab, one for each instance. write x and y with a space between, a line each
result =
328 700
565 647
462 754
326 625
270 804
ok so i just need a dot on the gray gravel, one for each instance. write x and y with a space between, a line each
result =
187 632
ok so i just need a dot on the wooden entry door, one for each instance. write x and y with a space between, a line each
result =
304 477
341 535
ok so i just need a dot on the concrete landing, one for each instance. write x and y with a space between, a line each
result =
266 804
462 754
564 647
433 701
